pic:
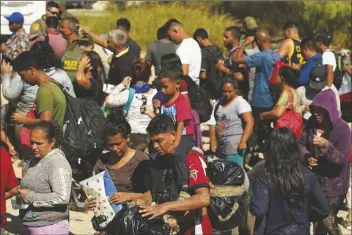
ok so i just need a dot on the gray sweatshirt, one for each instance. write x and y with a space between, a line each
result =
49 181
14 89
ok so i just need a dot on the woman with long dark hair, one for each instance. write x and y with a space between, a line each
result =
285 193
90 77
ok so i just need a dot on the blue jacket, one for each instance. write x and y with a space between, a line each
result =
311 63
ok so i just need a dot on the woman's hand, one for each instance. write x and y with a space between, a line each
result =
121 197
154 211
126 81
12 151
147 111
319 141
19 118
312 162
242 146
5 68
85 63
91 204
23 193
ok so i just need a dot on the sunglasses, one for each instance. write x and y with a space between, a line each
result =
53 12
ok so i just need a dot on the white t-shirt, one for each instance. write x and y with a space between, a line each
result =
138 121
189 53
329 58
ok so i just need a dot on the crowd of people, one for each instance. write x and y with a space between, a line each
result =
298 95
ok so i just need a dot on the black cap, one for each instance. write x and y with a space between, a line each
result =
317 78
323 38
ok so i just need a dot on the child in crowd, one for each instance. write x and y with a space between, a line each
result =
175 105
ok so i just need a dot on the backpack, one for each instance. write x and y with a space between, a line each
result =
120 113
212 83
338 73
84 138
199 99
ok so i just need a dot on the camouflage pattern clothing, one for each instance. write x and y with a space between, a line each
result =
16 44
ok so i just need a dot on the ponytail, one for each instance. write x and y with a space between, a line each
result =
52 131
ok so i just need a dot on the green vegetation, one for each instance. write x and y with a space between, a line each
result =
313 16
148 17
333 17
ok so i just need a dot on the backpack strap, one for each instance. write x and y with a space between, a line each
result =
127 106
46 36
233 50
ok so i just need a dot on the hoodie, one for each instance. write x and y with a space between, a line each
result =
333 166
305 70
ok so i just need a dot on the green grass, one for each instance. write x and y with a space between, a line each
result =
148 17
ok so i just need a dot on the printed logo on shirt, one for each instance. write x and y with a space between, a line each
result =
194 174
35 26
70 65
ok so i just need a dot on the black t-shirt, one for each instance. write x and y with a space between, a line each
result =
94 92
134 47
120 67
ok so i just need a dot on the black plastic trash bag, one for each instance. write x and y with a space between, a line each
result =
129 221
227 193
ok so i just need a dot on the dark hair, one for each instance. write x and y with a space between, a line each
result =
121 127
235 31
45 55
51 130
52 4
125 23
290 25
84 43
98 71
141 71
52 22
161 124
171 59
161 33
139 141
25 60
308 43
323 38
289 75
200 32
170 22
283 169
232 81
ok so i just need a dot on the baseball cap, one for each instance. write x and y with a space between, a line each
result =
317 78
323 38
250 23
15 17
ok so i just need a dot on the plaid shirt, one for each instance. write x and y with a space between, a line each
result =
16 44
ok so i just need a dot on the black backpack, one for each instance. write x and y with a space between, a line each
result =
199 98
84 138
212 83
338 73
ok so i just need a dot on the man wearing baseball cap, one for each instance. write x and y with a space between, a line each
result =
317 83
18 42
